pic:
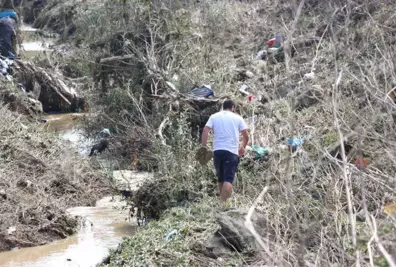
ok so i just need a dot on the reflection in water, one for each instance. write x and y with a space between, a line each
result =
104 227
33 44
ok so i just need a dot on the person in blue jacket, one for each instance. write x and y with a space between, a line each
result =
8 25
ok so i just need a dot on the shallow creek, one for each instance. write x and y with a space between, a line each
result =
102 227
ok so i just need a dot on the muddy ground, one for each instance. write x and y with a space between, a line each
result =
40 177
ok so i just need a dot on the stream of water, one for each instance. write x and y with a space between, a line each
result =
103 226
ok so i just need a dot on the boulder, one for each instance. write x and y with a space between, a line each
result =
233 232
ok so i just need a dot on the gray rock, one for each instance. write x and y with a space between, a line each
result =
233 232
306 99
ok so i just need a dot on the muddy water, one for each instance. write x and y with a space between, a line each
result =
67 127
33 45
103 228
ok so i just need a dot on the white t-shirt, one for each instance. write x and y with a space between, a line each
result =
226 126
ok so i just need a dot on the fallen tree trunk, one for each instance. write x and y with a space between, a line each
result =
52 92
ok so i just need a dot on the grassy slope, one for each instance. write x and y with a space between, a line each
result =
307 205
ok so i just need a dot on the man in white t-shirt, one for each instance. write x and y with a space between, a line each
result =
226 126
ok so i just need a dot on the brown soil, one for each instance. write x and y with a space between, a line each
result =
40 178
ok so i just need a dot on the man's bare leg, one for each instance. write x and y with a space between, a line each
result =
220 188
225 191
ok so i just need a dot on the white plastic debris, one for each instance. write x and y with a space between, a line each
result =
262 54
244 90
172 86
249 74
5 64
171 235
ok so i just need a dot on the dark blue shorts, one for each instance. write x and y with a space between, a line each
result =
226 165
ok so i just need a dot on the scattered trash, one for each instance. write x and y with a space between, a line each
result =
274 48
275 42
171 235
249 74
251 98
261 55
295 143
172 86
203 91
5 65
260 152
361 163
11 230
105 132
243 90
22 87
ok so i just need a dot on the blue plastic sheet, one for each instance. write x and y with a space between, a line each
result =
202 91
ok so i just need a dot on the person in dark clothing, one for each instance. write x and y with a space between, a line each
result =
8 27
7 37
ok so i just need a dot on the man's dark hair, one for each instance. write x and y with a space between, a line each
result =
228 104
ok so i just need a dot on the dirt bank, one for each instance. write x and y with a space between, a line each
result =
40 178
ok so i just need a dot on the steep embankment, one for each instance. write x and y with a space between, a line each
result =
40 177
329 84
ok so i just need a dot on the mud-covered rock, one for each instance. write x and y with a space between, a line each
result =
234 234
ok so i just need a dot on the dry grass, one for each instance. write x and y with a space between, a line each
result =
313 196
